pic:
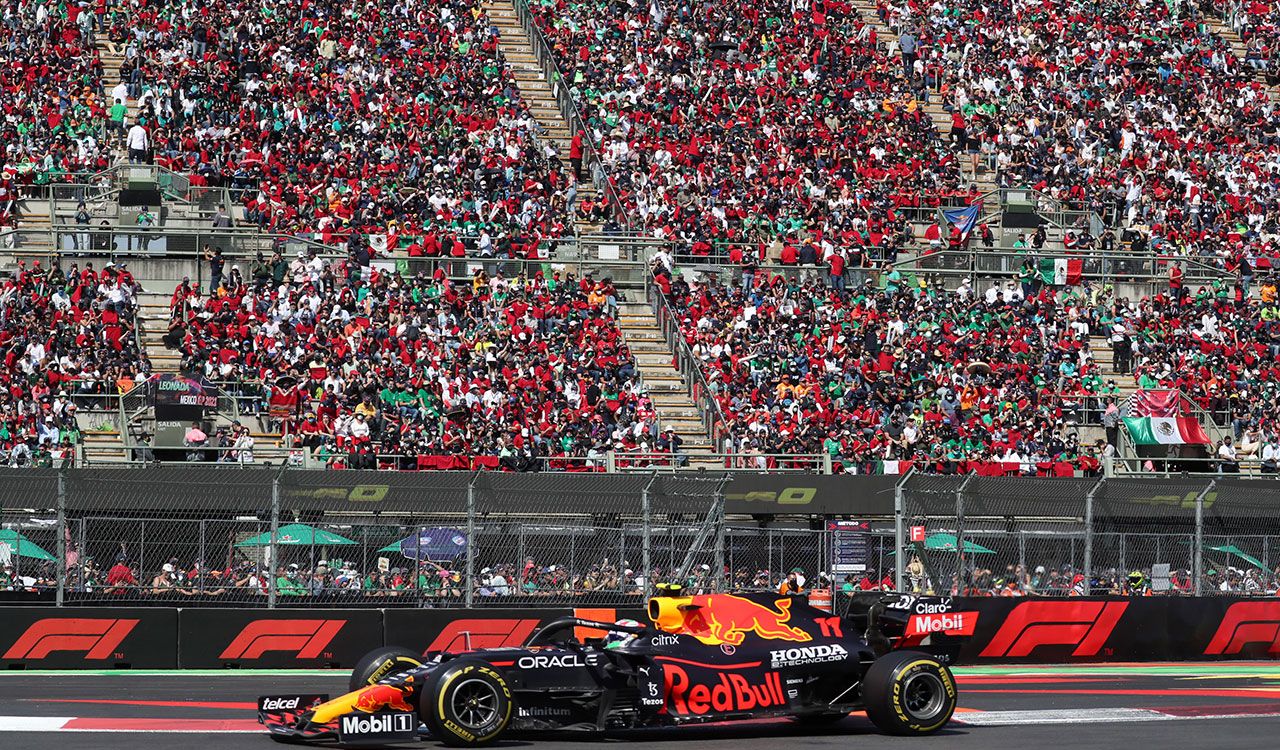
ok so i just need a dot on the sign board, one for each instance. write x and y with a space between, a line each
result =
848 546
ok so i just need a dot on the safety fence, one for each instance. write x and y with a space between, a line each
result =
1021 536
199 536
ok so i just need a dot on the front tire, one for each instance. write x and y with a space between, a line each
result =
909 693
468 704
381 662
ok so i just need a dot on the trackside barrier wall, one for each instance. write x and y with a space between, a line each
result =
1003 630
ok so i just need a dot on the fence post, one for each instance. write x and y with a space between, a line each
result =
272 560
899 530
646 530
960 583
62 535
1088 534
718 509
468 597
1197 560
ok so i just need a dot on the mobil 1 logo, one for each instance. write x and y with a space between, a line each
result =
378 728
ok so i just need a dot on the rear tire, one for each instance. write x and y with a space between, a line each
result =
467 703
381 662
909 693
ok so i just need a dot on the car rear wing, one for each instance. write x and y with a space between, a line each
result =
894 621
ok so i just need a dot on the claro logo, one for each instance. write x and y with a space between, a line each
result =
98 639
309 638
1085 625
1245 623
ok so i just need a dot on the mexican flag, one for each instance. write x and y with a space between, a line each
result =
1166 431
1060 271
895 467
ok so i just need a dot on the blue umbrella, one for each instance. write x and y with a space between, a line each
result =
440 543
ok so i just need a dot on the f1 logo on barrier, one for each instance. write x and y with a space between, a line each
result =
460 635
98 638
1085 625
307 637
1245 623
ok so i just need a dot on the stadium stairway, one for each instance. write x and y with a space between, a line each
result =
111 62
888 39
33 241
518 52
1233 39
665 385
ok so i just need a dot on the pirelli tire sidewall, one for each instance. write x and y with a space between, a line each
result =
381 663
909 693
438 709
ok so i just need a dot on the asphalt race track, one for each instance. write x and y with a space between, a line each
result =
1234 705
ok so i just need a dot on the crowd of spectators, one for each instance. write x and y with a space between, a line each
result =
444 584
372 369
1136 111
950 381
761 124
66 338
327 117
51 83
1258 24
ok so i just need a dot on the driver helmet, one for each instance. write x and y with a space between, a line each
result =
619 638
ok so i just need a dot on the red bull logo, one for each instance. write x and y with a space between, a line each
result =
376 698
715 619
730 693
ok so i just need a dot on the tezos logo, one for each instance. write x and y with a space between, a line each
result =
378 724
280 704
791 657
543 661
665 640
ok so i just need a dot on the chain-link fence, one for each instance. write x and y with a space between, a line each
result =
1022 536
211 537
196 536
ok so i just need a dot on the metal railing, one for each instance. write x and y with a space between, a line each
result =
1105 268
695 380
561 88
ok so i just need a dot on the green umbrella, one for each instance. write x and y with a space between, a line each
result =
296 535
947 543
1231 549
20 545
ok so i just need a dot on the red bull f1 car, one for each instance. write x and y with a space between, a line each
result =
703 658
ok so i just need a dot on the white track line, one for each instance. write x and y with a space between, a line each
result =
33 723
1087 716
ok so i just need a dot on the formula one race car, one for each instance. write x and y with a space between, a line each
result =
712 657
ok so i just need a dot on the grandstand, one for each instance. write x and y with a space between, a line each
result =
601 237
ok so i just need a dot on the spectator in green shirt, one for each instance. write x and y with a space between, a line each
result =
289 583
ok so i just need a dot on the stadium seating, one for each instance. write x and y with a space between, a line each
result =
1146 117
767 124
65 333
51 82
424 373
945 382
392 120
